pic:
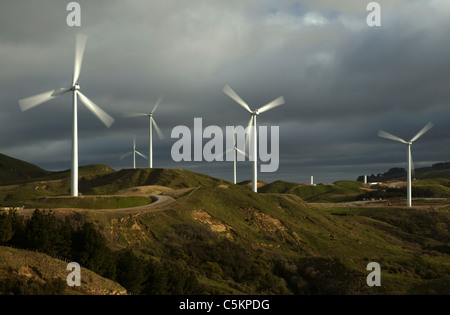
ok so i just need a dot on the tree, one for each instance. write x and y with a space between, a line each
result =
6 231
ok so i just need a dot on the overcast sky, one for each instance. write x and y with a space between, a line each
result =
341 79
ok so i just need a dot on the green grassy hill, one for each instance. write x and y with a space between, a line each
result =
127 178
221 238
13 170
25 272
438 170
339 191
238 242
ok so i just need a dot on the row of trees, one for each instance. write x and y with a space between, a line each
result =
80 241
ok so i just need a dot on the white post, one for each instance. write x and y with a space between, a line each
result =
409 193
365 179
134 158
150 154
234 176
255 163
74 172
312 180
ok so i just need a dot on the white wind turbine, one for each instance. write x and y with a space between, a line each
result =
235 150
35 100
253 130
152 123
134 151
386 135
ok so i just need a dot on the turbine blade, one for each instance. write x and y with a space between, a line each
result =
141 154
125 155
134 142
97 111
422 131
79 52
242 152
386 135
32 101
59 92
157 104
160 134
220 154
277 102
132 115
228 91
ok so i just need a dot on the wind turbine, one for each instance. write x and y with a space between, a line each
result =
134 151
252 130
236 151
386 135
30 102
152 123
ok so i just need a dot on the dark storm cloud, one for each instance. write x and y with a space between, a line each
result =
342 81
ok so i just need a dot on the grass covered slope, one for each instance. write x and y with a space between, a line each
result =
244 243
101 180
25 272
128 178
339 191
13 170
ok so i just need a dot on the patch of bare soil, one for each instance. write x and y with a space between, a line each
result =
216 226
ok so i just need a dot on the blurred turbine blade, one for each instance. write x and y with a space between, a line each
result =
242 152
422 131
386 135
79 51
141 154
97 111
126 154
160 134
277 102
32 101
157 104
131 115
59 92
221 154
228 91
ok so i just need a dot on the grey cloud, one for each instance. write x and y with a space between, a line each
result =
342 81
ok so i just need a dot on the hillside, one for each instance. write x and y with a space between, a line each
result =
27 272
239 242
438 170
214 237
13 170
336 192
128 178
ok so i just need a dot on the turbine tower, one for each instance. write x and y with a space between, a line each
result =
386 135
252 126
134 151
236 150
30 102
152 123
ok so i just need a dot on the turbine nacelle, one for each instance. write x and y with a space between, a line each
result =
76 87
